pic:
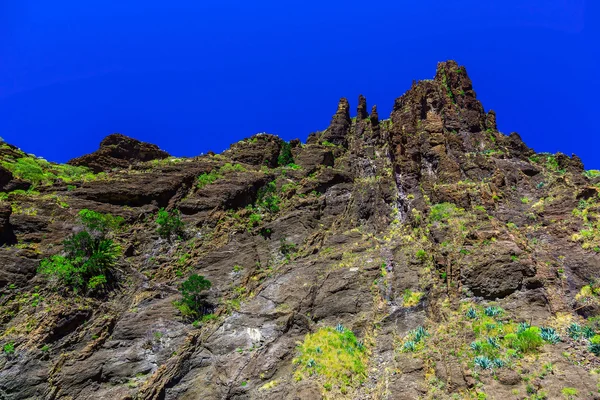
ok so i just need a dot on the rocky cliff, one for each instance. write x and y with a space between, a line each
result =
423 256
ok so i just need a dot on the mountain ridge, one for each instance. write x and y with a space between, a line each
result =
422 256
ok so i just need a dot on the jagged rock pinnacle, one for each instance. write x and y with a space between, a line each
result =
340 124
490 120
374 116
362 108
343 110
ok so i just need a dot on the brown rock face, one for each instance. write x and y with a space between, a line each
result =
5 177
119 151
6 233
429 236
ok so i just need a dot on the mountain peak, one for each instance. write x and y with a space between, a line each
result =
118 151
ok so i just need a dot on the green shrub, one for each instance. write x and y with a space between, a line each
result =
193 302
169 223
569 392
254 220
9 348
207 178
595 339
88 256
552 163
286 248
526 341
511 225
421 255
96 221
88 259
97 282
285 155
267 197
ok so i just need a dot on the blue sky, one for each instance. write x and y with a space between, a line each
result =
193 76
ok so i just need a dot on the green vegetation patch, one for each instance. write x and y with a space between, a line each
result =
591 173
210 177
410 298
41 172
335 355
442 212
589 212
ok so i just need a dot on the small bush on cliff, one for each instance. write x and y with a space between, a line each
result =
207 178
253 220
285 155
88 256
527 341
267 197
193 302
169 223
9 349
95 221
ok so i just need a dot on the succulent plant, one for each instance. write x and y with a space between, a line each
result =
493 311
574 330
483 362
409 346
550 335
471 313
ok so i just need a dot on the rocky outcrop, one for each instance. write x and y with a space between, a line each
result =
119 151
261 149
339 128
